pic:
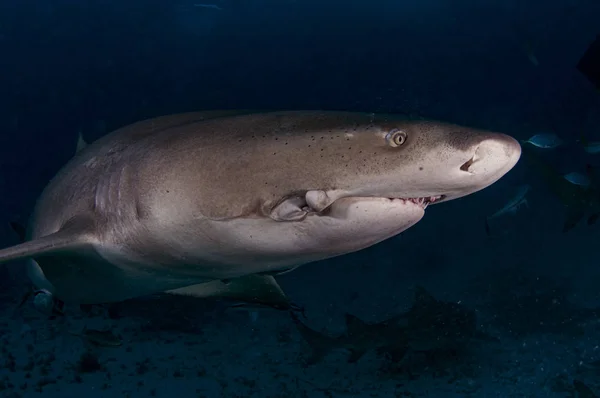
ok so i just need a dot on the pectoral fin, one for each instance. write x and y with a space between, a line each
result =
77 234
255 289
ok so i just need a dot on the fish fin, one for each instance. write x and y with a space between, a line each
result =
356 355
574 215
320 343
254 289
81 143
76 234
19 229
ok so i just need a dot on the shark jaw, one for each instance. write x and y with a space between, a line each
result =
321 203
421 202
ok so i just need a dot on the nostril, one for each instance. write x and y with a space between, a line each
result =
467 164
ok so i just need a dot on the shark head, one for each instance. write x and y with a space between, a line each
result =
420 161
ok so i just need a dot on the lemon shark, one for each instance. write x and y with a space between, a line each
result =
218 203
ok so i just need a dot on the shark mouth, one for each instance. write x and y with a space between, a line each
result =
296 208
425 201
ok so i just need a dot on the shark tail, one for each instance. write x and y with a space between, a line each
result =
320 343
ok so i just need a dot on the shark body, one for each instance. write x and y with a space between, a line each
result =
210 203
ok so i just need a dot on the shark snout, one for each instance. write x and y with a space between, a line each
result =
493 156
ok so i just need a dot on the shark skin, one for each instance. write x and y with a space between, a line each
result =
185 200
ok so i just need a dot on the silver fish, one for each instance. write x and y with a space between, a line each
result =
545 140
578 179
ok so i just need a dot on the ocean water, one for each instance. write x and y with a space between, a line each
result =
509 304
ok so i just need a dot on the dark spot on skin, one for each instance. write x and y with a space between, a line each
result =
168 191
421 168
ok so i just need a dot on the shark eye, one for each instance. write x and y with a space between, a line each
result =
396 138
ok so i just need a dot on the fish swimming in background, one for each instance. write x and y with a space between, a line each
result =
544 140
511 207
578 179
578 201
429 325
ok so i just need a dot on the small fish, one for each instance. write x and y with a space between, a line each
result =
103 338
511 207
578 179
544 140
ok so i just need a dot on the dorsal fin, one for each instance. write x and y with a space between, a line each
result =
75 234
81 143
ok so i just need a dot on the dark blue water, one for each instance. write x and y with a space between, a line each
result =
92 66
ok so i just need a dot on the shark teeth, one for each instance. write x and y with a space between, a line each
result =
425 201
